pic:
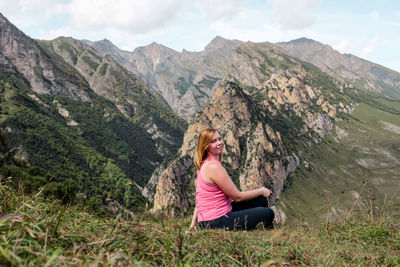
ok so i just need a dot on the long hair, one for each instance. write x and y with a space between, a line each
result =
203 143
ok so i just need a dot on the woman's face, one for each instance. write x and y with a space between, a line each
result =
216 146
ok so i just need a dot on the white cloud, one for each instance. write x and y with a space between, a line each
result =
33 16
375 16
135 16
27 10
46 9
215 10
368 50
261 34
294 15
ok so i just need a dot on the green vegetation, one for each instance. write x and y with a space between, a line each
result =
62 68
94 54
288 124
41 231
94 151
208 81
126 86
360 156
147 106
103 69
71 51
275 60
88 60
378 101
99 154
257 95
30 179
182 84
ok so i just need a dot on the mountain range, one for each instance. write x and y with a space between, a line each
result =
122 126
187 79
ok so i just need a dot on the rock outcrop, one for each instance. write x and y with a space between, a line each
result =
272 107
257 152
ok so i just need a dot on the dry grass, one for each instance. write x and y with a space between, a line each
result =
37 231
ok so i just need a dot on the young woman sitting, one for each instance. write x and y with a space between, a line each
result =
219 204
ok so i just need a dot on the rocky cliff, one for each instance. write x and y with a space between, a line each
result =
264 130
21 54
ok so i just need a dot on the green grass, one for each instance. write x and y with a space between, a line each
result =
44 232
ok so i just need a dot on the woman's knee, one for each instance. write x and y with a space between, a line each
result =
268 213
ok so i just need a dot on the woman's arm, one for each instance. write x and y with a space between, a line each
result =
194 220
219 176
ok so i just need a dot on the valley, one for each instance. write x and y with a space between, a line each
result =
355 166
106 125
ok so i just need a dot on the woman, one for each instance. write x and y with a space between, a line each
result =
219 204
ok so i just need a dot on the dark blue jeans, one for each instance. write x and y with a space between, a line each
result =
245 215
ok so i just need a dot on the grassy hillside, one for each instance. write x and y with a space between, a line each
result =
38 231
360 157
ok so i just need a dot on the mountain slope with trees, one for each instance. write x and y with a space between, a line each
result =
55 118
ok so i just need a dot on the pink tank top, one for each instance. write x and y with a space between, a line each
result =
211 202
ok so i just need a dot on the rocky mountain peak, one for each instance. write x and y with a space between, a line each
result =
106 47
218 42
302 40
76 43
155 48
105 43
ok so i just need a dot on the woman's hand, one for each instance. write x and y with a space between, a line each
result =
265 192
192 227
194 220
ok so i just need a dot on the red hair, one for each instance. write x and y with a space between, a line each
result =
203 143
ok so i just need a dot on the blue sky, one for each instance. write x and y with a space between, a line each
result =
368 29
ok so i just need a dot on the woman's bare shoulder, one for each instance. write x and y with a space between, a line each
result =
213 166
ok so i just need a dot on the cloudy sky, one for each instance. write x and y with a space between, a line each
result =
369 29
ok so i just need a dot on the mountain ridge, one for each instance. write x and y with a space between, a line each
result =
363 74
185 70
